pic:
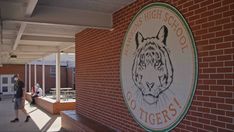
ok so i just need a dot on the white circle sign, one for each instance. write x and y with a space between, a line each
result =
158 67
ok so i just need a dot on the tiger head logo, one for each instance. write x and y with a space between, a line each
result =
152 70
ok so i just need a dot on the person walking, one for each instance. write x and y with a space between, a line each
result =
19 99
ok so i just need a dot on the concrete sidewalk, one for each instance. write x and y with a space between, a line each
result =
41 121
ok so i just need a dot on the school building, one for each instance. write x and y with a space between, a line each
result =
140 65
8 70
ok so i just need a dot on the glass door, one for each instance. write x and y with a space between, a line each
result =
7 84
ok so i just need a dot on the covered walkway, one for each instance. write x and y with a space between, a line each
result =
41 121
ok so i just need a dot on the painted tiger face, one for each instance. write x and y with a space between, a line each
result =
152 70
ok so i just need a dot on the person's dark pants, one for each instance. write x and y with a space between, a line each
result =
0 96
33 99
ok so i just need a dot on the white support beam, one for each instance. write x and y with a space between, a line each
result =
30 7
28 56
47 24
43 77
26 78
50 35
37 48
21 30
71 50
79 17
43 43
20 61
68 47
66 16
45 38
58 76
29 77
52 30
35 74
30 53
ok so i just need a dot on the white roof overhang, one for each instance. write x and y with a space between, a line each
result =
32 29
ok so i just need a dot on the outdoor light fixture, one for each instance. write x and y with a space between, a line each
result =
13 56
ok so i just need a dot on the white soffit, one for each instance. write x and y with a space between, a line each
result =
32 29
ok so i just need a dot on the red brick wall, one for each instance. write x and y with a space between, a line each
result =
49 81
13 69
70 78
97 68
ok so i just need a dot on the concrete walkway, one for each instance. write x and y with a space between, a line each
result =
41 121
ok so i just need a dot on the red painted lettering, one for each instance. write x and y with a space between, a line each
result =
165 115
151 119
143 115
159 121
173 110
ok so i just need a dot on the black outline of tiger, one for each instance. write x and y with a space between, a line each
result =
152 52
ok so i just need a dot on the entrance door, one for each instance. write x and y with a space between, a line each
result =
7 84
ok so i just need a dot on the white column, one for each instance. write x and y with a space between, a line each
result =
58 77
26 78
43 77
29 78
35 74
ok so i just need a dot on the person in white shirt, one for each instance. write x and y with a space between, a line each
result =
38 93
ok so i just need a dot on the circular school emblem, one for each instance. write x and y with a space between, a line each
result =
158 67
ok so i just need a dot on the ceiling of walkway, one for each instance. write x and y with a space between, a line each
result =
32 29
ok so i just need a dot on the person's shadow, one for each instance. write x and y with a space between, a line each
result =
40 121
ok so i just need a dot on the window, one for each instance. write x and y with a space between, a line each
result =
4 80
5 89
